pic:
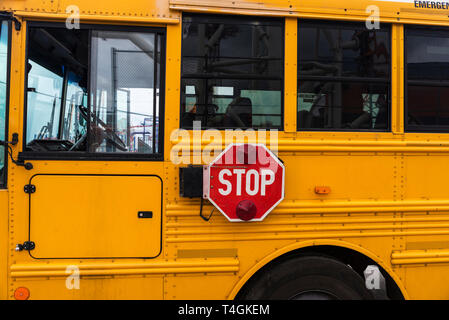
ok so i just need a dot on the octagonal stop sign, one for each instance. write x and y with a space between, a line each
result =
245 182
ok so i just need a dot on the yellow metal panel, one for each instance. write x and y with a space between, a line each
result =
427 177
207 253
427 283
138 9
173 82
4 243
94 288
188 266
291 65
390 11
359 171
35 5
180 287
97 211
115 10
397 79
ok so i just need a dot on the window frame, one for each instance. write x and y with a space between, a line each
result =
231 19
161 33
4 180
428 30
351 79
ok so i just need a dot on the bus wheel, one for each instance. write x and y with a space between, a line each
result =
307 278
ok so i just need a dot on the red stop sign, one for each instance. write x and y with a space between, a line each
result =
245 182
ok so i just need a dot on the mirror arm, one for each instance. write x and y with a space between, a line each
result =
14 141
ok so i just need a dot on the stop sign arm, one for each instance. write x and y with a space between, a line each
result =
206 182
201 212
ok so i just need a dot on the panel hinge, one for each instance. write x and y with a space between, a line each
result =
27 245
29 188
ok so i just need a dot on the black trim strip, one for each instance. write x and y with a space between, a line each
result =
83 156
4 178
428 83
211 76
202 18
343 79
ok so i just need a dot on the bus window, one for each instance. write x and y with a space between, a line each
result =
4 33
234 66
343 77
122 113
427 79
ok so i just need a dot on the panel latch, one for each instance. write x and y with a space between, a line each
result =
27 245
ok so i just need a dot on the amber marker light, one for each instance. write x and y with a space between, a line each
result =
322 190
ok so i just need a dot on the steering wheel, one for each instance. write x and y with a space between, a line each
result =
109 134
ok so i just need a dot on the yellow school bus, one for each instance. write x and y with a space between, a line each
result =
98 99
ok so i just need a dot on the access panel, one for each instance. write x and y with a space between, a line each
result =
95 216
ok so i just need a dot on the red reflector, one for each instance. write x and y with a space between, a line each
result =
22 293
246 210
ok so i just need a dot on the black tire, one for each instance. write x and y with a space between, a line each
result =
307 278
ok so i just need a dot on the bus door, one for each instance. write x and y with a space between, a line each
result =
93 134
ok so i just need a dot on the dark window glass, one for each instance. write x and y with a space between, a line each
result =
428 106
343 76
427 78
343 105
232 72
123 70
4 53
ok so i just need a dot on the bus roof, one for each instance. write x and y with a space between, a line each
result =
168 11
